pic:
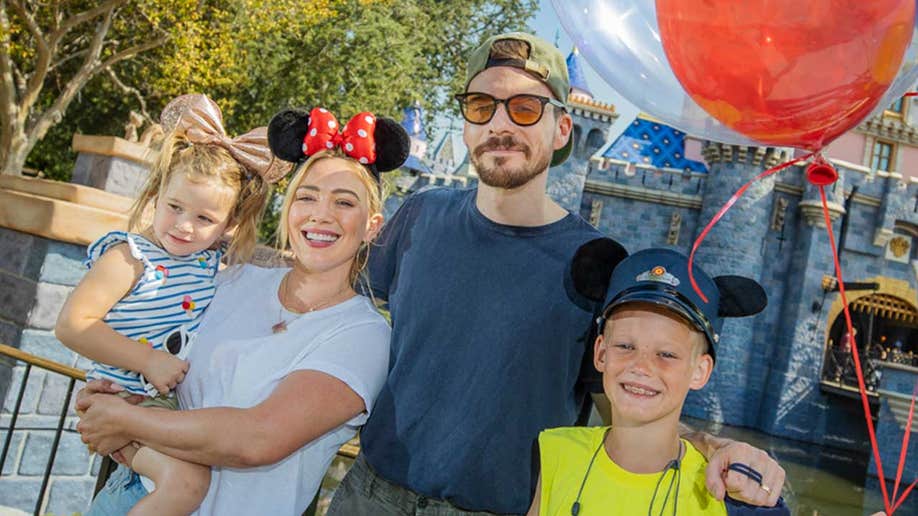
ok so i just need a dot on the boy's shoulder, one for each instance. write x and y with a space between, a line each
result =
573 436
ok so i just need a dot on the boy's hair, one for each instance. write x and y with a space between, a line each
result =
700 346
203 161
374 203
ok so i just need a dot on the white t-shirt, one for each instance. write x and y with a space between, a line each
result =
236 361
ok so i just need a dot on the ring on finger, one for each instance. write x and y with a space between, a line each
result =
765 488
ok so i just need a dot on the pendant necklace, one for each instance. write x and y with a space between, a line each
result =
281 325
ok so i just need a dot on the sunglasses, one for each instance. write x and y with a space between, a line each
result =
523 109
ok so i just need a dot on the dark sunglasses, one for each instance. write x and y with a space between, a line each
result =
523 109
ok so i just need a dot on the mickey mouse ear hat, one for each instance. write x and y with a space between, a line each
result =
660 276
380 144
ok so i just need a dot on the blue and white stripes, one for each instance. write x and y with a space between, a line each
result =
172 291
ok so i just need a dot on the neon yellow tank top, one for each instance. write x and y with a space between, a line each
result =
610 490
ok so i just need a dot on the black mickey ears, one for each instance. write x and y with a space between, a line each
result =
286 132
592 267
392 144
288 128
739 296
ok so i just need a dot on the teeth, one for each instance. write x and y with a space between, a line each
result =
638 390
321 236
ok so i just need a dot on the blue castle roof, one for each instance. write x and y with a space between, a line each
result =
575 71
652 143
413 122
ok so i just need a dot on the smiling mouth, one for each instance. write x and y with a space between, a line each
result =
178 239
638 391
320 237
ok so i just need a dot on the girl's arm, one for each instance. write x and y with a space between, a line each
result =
81 328
304 406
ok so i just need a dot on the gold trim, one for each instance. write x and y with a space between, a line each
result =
891 287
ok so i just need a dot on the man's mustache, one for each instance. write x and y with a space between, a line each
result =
507 142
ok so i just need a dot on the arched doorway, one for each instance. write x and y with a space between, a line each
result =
886 330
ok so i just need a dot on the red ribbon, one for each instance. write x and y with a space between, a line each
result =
356 139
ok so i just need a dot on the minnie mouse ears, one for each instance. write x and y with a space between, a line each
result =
381 144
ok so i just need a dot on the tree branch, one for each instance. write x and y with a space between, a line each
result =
8 92
40 71
132 91
64 60
55 112
132 51
85 16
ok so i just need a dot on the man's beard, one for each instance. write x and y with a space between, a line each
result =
499 175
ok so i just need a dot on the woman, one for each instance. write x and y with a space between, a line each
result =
287 362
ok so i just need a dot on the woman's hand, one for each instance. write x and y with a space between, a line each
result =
101 420
104 387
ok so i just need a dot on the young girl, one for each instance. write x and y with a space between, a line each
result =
142 300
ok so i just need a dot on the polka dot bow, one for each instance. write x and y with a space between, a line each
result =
356 139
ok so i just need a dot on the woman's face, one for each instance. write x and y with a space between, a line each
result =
330 217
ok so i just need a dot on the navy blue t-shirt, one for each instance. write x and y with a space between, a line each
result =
488 348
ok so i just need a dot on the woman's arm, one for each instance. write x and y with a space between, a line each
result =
303 407
80 325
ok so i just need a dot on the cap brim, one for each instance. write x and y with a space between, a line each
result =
656 298
561 155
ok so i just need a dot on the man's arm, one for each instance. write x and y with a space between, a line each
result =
721 481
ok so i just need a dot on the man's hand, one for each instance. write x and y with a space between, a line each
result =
723 481
164 371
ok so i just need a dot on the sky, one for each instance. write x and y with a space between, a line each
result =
546 25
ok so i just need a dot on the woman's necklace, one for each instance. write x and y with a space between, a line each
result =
281 325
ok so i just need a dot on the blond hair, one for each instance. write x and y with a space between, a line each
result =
201 162
374 203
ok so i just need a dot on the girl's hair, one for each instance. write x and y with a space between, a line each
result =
201 162
374 201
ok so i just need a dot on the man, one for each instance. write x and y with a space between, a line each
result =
488 334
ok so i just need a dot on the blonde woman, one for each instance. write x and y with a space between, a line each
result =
287 362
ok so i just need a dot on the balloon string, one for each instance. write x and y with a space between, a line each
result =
904 496
857 361
720 213
903 451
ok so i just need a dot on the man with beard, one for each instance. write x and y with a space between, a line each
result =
487 333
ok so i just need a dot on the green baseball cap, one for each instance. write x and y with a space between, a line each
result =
544 62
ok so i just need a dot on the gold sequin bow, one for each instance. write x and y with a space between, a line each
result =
201 121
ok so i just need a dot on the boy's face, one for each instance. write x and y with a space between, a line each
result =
649 358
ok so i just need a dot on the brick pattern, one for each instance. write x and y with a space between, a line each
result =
36 275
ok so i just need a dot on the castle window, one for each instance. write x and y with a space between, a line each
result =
896 109
882 158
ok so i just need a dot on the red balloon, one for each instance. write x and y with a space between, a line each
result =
786 72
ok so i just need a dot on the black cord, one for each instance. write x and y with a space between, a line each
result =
675 465
575 509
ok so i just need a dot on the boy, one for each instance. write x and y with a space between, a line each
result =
657 341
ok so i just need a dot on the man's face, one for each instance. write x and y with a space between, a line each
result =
504 154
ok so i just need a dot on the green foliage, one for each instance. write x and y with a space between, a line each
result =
255 57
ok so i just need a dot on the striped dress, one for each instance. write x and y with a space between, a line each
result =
172 292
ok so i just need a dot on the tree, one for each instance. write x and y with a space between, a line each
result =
255 57
67 45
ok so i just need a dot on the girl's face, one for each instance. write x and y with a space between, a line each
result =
191 215
330 217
